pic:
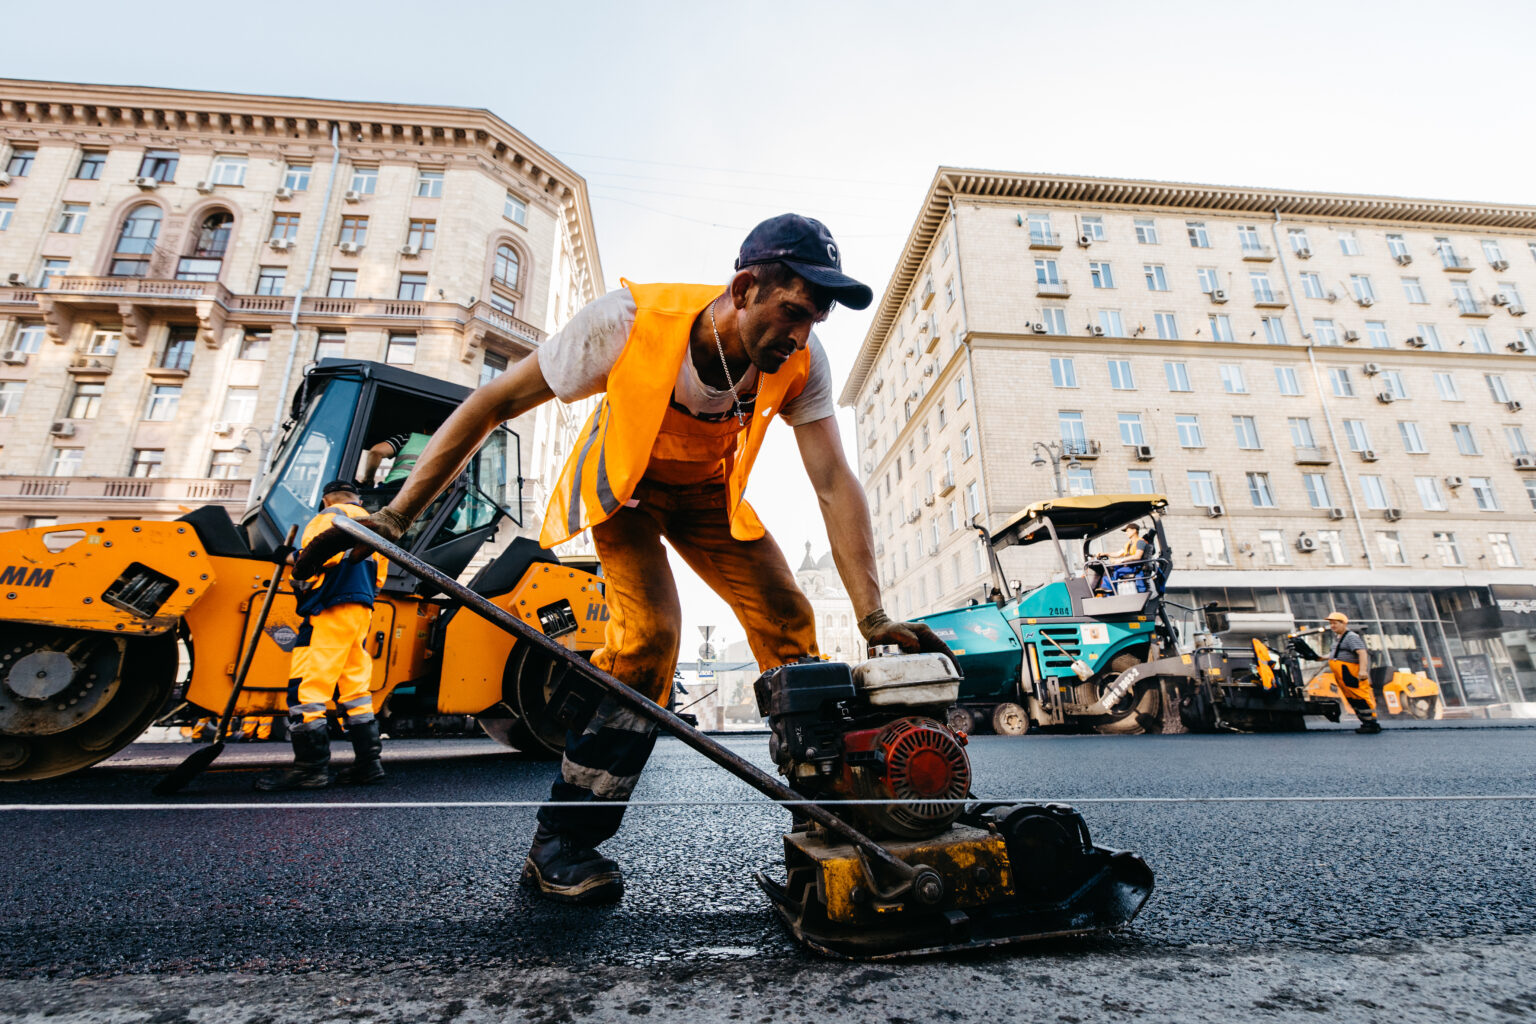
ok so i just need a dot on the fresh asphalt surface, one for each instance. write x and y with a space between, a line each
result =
1397 910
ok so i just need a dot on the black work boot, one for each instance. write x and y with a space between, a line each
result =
562 870
311 755
1369 726
365 769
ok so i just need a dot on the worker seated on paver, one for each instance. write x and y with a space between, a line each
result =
691 378
403 447
1127 563
1350 664
330 658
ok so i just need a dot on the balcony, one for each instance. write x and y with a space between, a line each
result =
1312 457
1053 289
1454 264
1474 308
1271 299
88 497
135 301
1079 448
1049 241
1258 253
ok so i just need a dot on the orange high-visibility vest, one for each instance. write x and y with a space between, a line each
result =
616 443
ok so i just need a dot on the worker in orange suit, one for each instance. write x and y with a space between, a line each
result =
1350 663
330 659
691 376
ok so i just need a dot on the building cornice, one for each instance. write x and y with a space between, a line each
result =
39 109
956 183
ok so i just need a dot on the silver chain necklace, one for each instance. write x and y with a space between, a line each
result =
736 406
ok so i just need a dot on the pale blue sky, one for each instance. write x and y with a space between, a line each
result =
692 121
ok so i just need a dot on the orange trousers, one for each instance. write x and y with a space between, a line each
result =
330 662
1355 690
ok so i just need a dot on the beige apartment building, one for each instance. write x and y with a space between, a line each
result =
1333 391
171 261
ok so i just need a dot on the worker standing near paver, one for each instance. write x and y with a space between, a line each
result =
691 377
330 658
1350 664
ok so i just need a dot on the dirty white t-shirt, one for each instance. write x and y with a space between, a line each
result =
576 362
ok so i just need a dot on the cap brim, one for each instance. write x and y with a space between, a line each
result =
851 293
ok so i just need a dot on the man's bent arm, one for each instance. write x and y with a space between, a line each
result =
844 510
515 392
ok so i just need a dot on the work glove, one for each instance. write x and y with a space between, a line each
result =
386 522
912 637
283 553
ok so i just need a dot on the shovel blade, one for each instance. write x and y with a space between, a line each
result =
196 763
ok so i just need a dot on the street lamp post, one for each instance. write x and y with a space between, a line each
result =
1056 452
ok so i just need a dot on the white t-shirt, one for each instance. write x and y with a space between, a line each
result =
576 362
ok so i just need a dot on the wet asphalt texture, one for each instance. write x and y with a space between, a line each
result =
1402 910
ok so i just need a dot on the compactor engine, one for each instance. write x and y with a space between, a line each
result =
872 731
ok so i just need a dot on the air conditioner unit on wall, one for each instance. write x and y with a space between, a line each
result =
5 179
1336 513
1143 453
1500 264
1454 482
204 187
284 192
280 244
1371 369
1096 331
1085 240
1392 515
1417 342
1215 511
14 359
146 182
1385 397
1039 328
1368 455
1403 259
1500 299
1218 295
350 247
1305 543
1513 406
352 195
1303 253
221 428
62 428
1351 335
1524 462
410 250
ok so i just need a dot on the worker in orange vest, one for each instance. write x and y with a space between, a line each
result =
1350 664
691 378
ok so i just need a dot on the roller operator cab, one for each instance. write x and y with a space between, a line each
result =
1095 650
89 651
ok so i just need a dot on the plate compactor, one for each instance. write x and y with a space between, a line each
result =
919 865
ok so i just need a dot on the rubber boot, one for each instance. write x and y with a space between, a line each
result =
565 871
311 756
365 769
1369 726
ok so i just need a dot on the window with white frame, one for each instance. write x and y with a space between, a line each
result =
972 499
1101 274
1210 279
1478 340
1156 276
1431 336
1046 272
163 401
1530 491
1259 491
962 390
429 184
1316 486
1040 230
1055 319
1232 380
1376 334
1360 285
72 218
515 210
1213 544
1079 481
331 345
1167 326
1199 238
1093 227
29 337
1375 492
1324 332
1413 439
146 462
1466 441
1331 542
1287 381
1349 245
1447 548
365 180
239 405
1177 374
1188 427
1482 492
1512 294
1496 386
1248 238
1146 233
104 342
1263 291
65 461
1338 376
7 210
228 170
1514 436
255 345
1120 376
1445 386
1063 372
967 444
1221 326
1392 383
85 404
1139 481
1298 239
1202 489
1413 291
296 177
1274 330
1312 286
1397 246
1430 495
1131 432
1491 251
1503 548
1301 432
1247 431
1272 543
11 392
1390 544
1111 324
401 350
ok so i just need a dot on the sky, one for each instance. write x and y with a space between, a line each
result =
693 121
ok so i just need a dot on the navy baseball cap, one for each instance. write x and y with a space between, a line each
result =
339 487
807 248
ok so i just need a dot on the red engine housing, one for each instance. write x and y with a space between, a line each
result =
916 759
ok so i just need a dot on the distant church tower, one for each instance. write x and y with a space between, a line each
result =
837 630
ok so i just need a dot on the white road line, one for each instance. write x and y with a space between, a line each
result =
360 805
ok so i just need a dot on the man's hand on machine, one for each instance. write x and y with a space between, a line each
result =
386 522
912 637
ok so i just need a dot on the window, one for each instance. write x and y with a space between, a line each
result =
1413 441
1312 286
1120 376
1202 490
1157 279
1272 542
1079 481
136 241
1259 490
1496 386
92 162
364 180
255 345
1466 441
239 405
1360 285
1301 432
1392 383
1482 491
1447 252
10 396
1111 324
1338 376
1221 326
401 350
1102 275
1376 332
354 229
296 177
422 234
1232 379
1413 291
1316 486
65 461
1178 376
1430 495
224 466
1167 326
1046 272
962 390
1248 238
1073 437
1247 431
1298 238
285 225
1445 386
505 269
1063 372
944 249
331 346
1478 338
1397 246
1390 544
72 218
1040 232
1139 481
228 170
413 287
1512 293
180 347
1274 330
1146 233
20 163
86 401
1349 245
967 448
1324 332
515 210
1431 336
972 499
1213 544
1447 548
159 164
343 284
163 401
1374 491
1131 432
1332 544
949 292
429 184
1514 436
943 416
1263 291
1189 431
1198 238
1055 319
270 280
1530 491
1093 227
954 517
7 209
1503 550
146 462
29 337
104 342
1209 279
